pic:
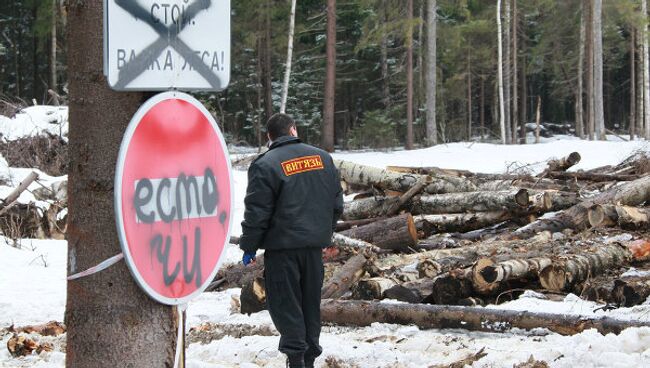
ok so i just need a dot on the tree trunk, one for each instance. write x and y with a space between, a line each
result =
598 70
396 233
385 77
564 163
432 129
268 69
507 74
459 222
502 121
625 217
409 77
646 71
364 313
580 130
515 97
344 277
372 288
110 321
514 200
633 78
524 94
327 141
640 95
287 72
569 270
631 193
482 107
585 176
488 276
357 174
589 54
53 79
469 96
538 118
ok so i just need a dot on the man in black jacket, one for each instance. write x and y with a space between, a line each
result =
293 201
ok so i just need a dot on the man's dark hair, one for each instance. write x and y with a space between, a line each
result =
279 125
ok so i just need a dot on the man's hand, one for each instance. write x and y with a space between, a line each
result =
248 258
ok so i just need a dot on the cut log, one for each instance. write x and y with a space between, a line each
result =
487 276
631 193
539 184
411 292
471 202
253 296
624 216
13 196
372 288
345 225
585 176
631 291
342 241
365 313
397 233
345 277
569 270
384 179
564 163
238 275
561 200
366 208
452 287
540 202
598 289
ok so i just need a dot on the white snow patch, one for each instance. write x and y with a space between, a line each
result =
35 120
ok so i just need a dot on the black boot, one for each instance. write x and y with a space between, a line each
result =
296 361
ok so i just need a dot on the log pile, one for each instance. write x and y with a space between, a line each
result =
431 237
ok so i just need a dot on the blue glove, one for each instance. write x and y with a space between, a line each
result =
248 258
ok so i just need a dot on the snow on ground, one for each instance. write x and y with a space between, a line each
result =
33 286
35 120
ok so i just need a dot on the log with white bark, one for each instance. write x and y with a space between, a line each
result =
539 184
488 276
364 313
459 222
592 177
358 174
397 233
624 216
564 163
345 242
513 200
569 270
630 193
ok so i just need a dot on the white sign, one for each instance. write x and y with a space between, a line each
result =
167 44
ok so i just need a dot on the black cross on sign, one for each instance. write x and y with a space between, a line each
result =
168 37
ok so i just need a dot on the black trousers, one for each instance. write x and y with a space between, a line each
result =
294 279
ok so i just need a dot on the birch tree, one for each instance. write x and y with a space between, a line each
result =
507 74
598 70
646 71
502 123
432 129
287 72
581 60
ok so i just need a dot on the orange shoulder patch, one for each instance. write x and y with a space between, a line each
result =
302 164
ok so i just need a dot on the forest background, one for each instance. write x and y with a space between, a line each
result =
580 62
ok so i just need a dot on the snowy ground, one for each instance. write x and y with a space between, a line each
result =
33 286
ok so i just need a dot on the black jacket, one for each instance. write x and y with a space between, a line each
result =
293 200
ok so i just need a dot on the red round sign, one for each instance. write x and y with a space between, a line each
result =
173 197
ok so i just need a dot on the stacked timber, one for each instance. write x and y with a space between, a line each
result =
427 235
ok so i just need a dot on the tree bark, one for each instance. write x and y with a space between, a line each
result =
506 73
488 276
459 222
640 95
364 313
396 233
564 163
538 118
372 288
502 121
524 94
469 96
110 321
514 200
631 291
633 77
592 177
515 97
432 16
357 174
589 54
327 142
631 193
598 70
344 277
625 217
646 70
580 130
385 77
287 72
53 79
268 68
569 270
409 76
